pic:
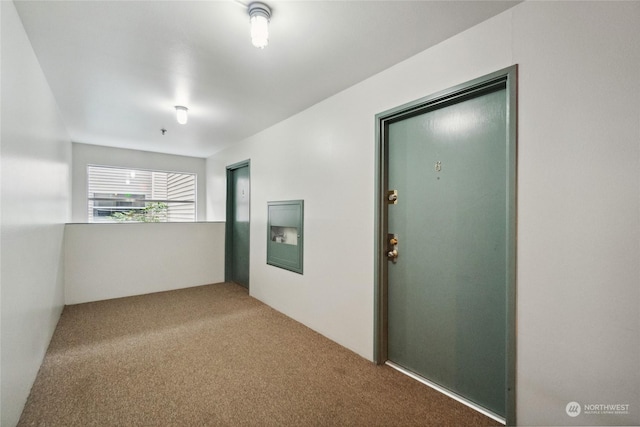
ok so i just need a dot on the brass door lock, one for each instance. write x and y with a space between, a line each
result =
392 197
392 247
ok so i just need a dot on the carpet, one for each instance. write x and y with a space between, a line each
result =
214 356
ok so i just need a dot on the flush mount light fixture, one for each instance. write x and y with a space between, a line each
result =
181 114
260 15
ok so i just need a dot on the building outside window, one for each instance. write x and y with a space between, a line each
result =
137 195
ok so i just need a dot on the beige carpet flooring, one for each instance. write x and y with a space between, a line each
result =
214 356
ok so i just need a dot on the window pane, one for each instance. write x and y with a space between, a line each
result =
286 235
120 195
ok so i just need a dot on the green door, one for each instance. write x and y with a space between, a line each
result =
238 198
447 287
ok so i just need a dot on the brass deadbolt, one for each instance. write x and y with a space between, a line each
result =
392 197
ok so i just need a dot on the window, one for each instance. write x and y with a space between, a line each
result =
135 195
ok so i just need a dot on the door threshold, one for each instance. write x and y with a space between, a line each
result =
447 392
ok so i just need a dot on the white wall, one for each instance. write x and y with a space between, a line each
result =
85 154
578 199
104 261
36 155
579 216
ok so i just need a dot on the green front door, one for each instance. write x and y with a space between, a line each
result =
447 287
238 198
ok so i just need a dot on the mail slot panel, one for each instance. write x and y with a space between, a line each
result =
285 234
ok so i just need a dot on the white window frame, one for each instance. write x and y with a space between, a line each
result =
92 198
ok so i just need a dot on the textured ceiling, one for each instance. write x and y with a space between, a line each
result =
118 68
